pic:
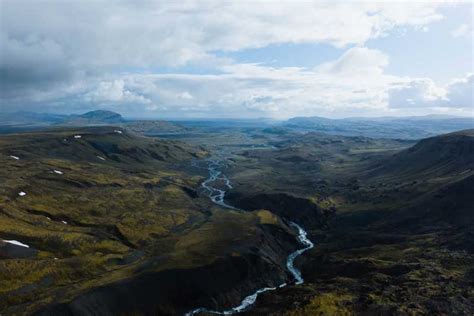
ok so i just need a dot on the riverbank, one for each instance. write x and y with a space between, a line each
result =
217 196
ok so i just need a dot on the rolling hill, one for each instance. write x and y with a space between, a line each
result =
29 121
99 219
116 222
97 117
438 156
392 221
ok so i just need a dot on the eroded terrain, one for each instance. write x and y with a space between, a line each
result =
118 223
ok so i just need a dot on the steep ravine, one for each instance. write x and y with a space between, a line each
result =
220 285
174 292
285 205
217 196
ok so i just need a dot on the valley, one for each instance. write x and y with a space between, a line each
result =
217 196
394 213
201 220
122 221
244 158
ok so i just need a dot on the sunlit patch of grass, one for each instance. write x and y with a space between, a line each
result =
267 217
326 304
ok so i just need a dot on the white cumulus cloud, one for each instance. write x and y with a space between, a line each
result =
460 31
115 91
112 54
425 93
357 61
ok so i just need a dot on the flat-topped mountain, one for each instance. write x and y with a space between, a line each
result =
98 117
37 120
30 121
104 116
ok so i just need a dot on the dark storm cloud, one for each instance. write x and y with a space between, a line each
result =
31 64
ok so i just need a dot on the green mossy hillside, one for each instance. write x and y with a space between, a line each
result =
105 207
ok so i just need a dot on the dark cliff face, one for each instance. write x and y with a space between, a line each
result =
174 292
220 285
300 210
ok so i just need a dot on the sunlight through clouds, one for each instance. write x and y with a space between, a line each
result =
166 59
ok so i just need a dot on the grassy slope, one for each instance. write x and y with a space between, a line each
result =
135 212
400 240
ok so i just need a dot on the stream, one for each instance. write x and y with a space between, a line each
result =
217 195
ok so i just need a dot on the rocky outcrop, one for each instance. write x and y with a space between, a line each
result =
298 209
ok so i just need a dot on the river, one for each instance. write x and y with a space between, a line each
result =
217 195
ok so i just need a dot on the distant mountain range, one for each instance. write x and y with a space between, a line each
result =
415 127
11 122
94 117
24 119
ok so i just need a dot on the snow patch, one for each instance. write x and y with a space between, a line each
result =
15 157
16 242
77 136
64 222
57 171
118 131
101 158
22 193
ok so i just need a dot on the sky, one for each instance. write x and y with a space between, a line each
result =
237 59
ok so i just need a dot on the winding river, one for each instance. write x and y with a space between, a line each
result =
217 195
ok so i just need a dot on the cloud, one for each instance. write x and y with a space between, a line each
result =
460 93
111 54
250 90
424 93
461 31
357 61
416 93
46 42
33 61
115 92
186 96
